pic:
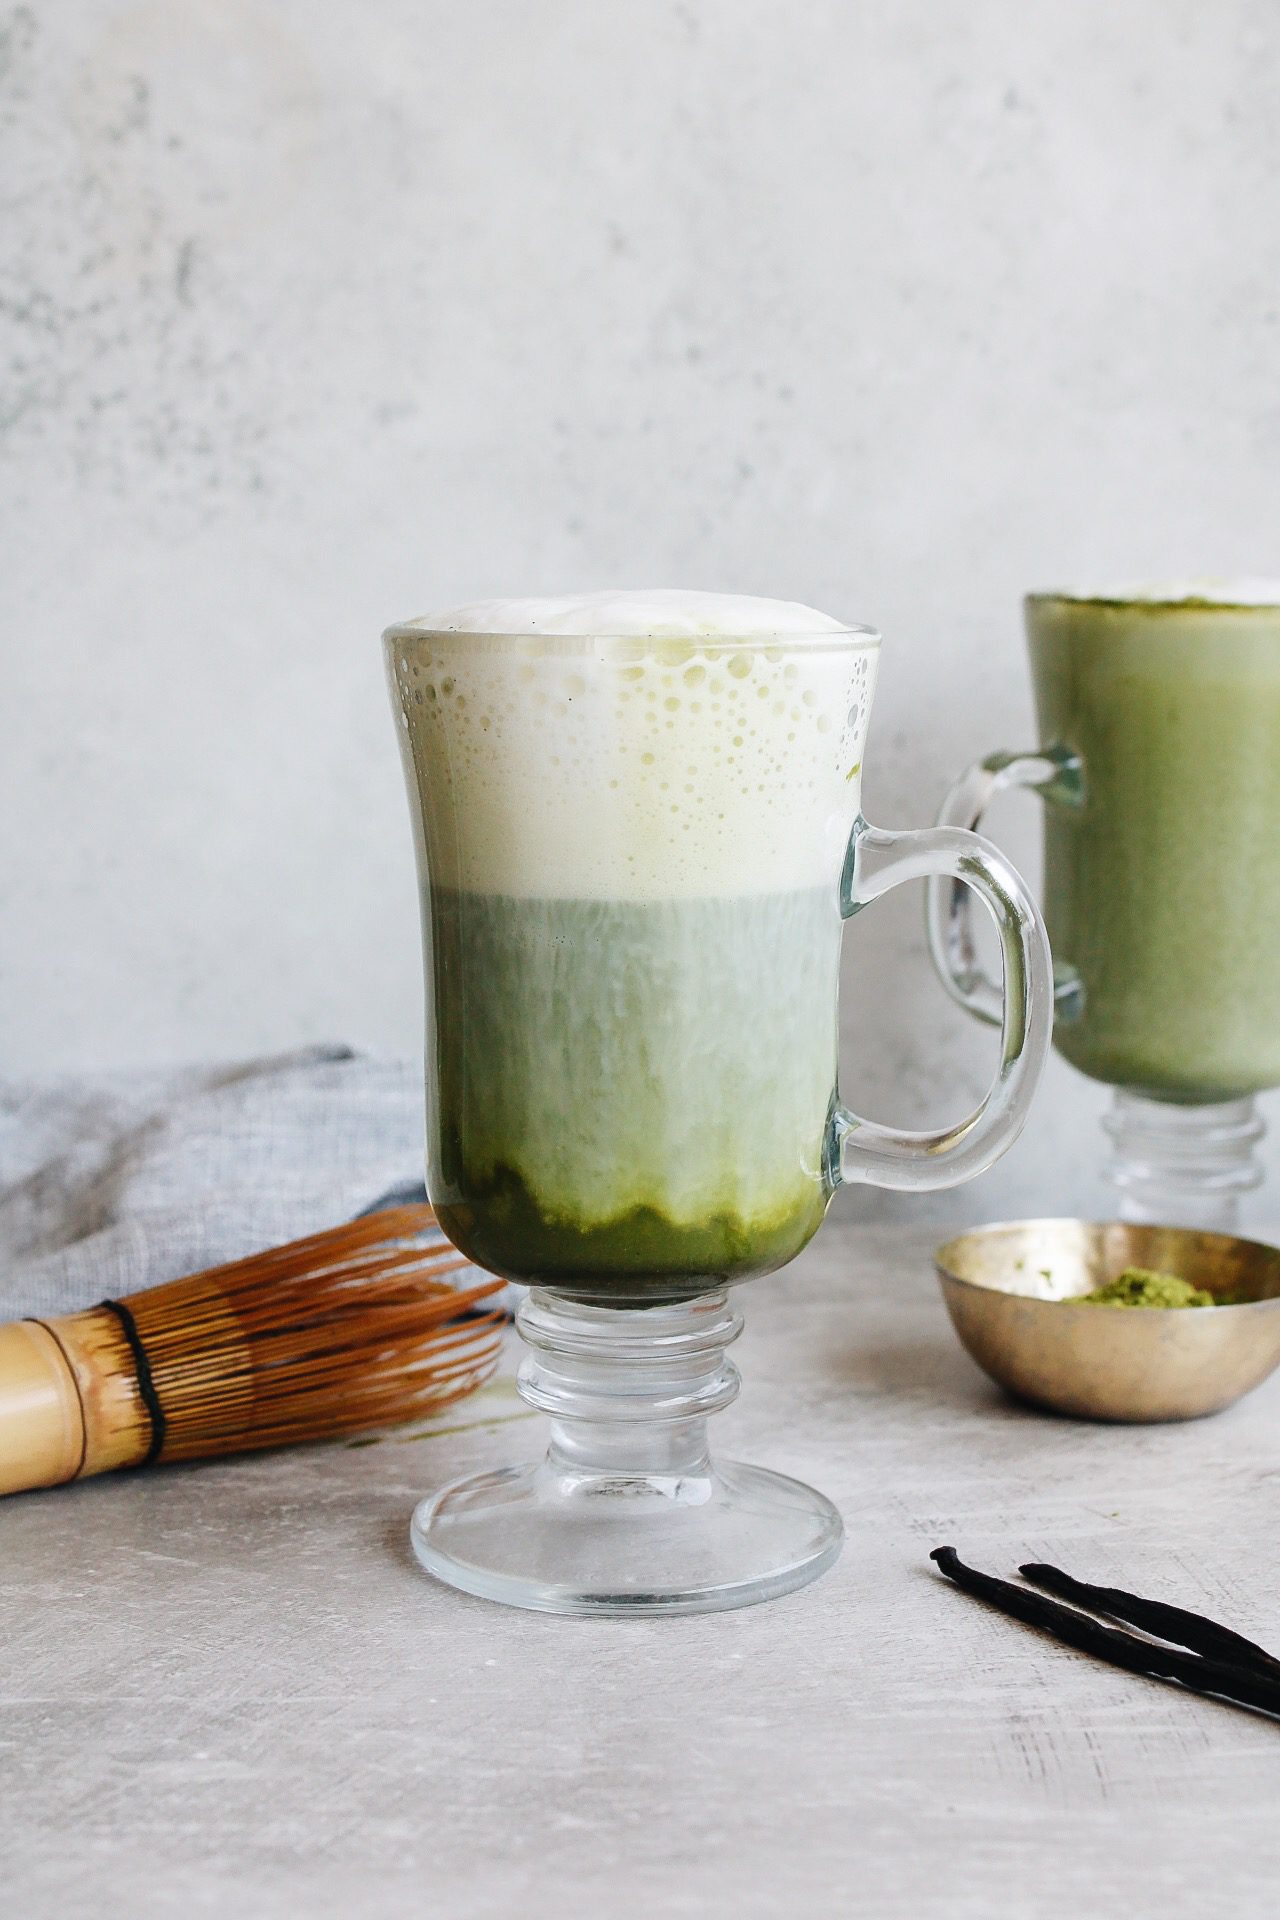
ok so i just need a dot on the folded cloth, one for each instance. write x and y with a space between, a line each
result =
116 1183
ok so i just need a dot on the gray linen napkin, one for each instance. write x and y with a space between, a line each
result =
116 1183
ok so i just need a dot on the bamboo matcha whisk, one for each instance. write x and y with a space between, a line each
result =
357 1327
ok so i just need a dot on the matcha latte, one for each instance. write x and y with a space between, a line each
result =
638 834
633 812
1162 884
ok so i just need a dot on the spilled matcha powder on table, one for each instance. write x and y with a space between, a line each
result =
1140 1287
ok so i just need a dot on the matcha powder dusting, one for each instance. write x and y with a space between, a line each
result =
1140 1287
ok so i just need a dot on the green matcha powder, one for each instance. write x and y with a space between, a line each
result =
1140 1287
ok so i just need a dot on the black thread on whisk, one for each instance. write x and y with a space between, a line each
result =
146 1381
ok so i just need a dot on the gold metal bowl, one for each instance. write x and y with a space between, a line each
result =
1009 1291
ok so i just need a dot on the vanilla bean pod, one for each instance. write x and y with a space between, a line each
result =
1179 1624
1243 1686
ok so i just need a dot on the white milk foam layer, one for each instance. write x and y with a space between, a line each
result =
661 613
635 746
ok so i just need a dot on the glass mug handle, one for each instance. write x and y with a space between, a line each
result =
1056 774
869 1154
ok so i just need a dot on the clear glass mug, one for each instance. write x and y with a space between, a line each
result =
636 857
1160 781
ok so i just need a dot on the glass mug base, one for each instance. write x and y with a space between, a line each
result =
534 1537
627 1512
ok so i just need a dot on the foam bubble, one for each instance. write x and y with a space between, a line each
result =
584 757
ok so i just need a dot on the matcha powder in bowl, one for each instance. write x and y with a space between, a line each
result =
1142 1287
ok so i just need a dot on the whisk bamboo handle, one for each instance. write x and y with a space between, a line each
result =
69 1400
355 1327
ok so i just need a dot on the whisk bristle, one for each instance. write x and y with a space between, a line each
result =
357 1327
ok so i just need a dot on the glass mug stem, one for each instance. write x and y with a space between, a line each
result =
628 1511
1170 1162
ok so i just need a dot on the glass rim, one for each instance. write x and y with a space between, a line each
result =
852 637
1191 596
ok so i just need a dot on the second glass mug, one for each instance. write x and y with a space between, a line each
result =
1159 773
636 855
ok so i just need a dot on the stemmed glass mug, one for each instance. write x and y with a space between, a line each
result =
1159 773
636 855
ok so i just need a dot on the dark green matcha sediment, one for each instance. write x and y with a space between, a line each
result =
1162 891
631 1099
504 1227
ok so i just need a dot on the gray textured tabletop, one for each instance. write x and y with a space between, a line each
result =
229 1690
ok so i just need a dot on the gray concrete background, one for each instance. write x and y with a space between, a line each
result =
316 316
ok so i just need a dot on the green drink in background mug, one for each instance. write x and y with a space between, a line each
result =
1159 768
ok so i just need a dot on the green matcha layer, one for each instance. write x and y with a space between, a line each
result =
631 1099
642 1254
1162 892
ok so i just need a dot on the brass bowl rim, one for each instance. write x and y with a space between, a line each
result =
945 1272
